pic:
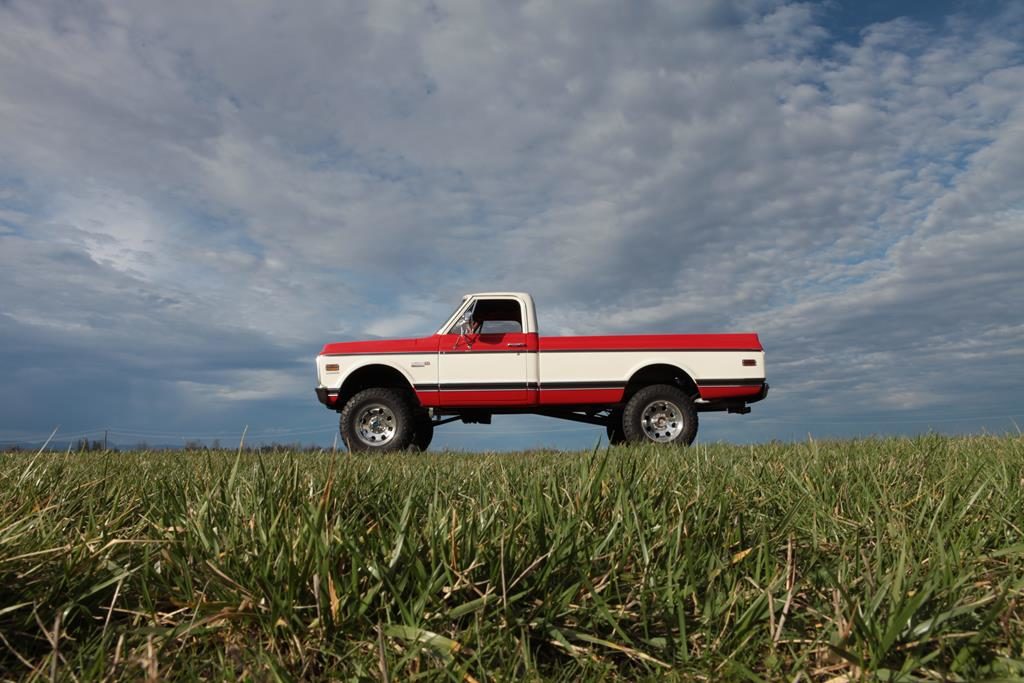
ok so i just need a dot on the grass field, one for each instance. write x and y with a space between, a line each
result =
896 559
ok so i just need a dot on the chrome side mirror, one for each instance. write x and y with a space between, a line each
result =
465 324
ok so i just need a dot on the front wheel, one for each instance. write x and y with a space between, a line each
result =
378 421
661 414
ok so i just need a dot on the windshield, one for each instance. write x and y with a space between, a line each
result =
455 314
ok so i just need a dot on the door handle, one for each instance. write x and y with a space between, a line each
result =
517 344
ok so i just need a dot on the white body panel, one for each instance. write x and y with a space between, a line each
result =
418 368
465 368
569 366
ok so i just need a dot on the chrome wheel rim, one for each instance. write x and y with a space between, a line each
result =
376 425
662 421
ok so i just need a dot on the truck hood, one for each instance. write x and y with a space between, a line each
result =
421 345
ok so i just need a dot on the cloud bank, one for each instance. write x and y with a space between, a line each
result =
193 199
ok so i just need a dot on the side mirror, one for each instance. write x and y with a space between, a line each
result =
465 322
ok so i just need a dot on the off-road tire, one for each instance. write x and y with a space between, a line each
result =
394 417
665 403
423 430
614 428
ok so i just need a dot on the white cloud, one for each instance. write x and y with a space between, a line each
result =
246 385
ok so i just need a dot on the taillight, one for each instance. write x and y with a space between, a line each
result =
749 362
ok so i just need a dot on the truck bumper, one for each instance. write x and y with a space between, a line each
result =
329 397
761 395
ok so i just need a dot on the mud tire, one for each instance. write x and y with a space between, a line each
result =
660 414
377 420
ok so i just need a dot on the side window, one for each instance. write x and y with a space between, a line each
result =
498 316
500 327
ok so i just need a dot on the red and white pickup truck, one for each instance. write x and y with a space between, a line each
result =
488 359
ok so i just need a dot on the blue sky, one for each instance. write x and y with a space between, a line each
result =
194 198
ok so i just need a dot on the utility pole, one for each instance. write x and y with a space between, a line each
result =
105 438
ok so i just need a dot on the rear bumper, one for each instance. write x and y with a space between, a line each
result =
744 390
329 397
733 404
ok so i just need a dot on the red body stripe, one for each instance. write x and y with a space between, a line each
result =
710 393
653 342
548 397
555 397
464 399
428 399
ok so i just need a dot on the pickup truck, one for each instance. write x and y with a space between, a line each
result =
488 358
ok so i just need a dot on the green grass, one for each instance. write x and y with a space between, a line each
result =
897 559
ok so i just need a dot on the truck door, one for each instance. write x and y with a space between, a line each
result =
485 365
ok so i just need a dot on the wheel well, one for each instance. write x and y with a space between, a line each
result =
376 376
660 374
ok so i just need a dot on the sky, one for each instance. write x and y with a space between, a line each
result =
195 197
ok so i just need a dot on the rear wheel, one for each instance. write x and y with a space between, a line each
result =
423 430
377 420
662 414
